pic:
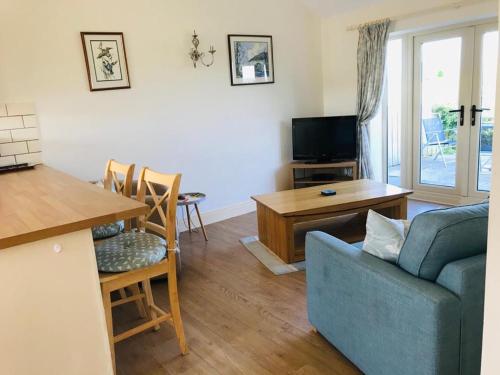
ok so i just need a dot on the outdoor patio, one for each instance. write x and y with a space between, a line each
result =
434 172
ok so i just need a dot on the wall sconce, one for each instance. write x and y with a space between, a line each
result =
197 56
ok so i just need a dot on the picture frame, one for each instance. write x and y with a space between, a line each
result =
251 59
106 60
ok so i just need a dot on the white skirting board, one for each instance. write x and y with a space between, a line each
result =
450 200
214 216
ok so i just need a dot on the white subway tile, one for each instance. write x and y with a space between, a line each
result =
31 159
30 121
5 136
7 160
7 123
34 146
19 109
24 134
7 149
3 110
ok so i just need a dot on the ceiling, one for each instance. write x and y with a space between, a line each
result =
330 7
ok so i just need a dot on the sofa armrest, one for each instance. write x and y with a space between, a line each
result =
466 279
381 317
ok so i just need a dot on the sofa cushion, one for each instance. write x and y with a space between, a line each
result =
384 236
439 237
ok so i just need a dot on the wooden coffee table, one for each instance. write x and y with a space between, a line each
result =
282 215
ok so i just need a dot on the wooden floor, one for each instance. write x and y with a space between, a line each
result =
239 317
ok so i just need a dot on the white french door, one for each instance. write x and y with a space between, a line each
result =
454 95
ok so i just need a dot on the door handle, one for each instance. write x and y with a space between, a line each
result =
462 114
474 110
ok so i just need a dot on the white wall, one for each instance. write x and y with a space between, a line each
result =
230 142
491 334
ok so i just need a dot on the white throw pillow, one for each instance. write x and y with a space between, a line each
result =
384 236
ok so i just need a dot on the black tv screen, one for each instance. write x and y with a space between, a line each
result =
325 138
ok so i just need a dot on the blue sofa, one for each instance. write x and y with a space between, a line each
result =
423 315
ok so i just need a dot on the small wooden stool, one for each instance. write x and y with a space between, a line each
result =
193 199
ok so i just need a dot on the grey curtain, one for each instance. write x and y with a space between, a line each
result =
372 48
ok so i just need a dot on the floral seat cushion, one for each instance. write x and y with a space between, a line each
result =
101 232
129 251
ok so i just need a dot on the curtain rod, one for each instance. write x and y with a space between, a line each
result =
455 5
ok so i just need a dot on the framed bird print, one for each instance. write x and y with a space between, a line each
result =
251 59
106 60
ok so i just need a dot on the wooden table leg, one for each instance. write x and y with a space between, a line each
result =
355 172
400 211
276 232
404 208
201 222
189 218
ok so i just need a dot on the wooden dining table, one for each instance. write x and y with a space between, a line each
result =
52 318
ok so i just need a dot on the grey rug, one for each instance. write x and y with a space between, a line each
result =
269 259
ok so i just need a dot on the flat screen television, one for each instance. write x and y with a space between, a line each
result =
325 139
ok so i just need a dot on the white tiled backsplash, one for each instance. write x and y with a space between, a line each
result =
19 134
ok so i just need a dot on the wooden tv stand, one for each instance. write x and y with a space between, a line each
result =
302 174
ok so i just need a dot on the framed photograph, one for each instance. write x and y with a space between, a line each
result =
106 60
251 59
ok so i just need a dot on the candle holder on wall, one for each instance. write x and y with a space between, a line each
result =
197 56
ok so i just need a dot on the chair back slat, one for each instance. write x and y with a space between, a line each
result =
118 178
165 202
158 229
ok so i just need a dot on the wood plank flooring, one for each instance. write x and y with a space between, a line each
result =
239 317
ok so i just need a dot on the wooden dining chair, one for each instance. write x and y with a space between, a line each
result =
136 257
118 178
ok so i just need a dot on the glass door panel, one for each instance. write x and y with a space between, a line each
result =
394 94
441 62
444 63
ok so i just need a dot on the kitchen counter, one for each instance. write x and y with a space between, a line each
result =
52 320
43 202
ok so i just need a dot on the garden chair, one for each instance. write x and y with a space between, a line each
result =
436 136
